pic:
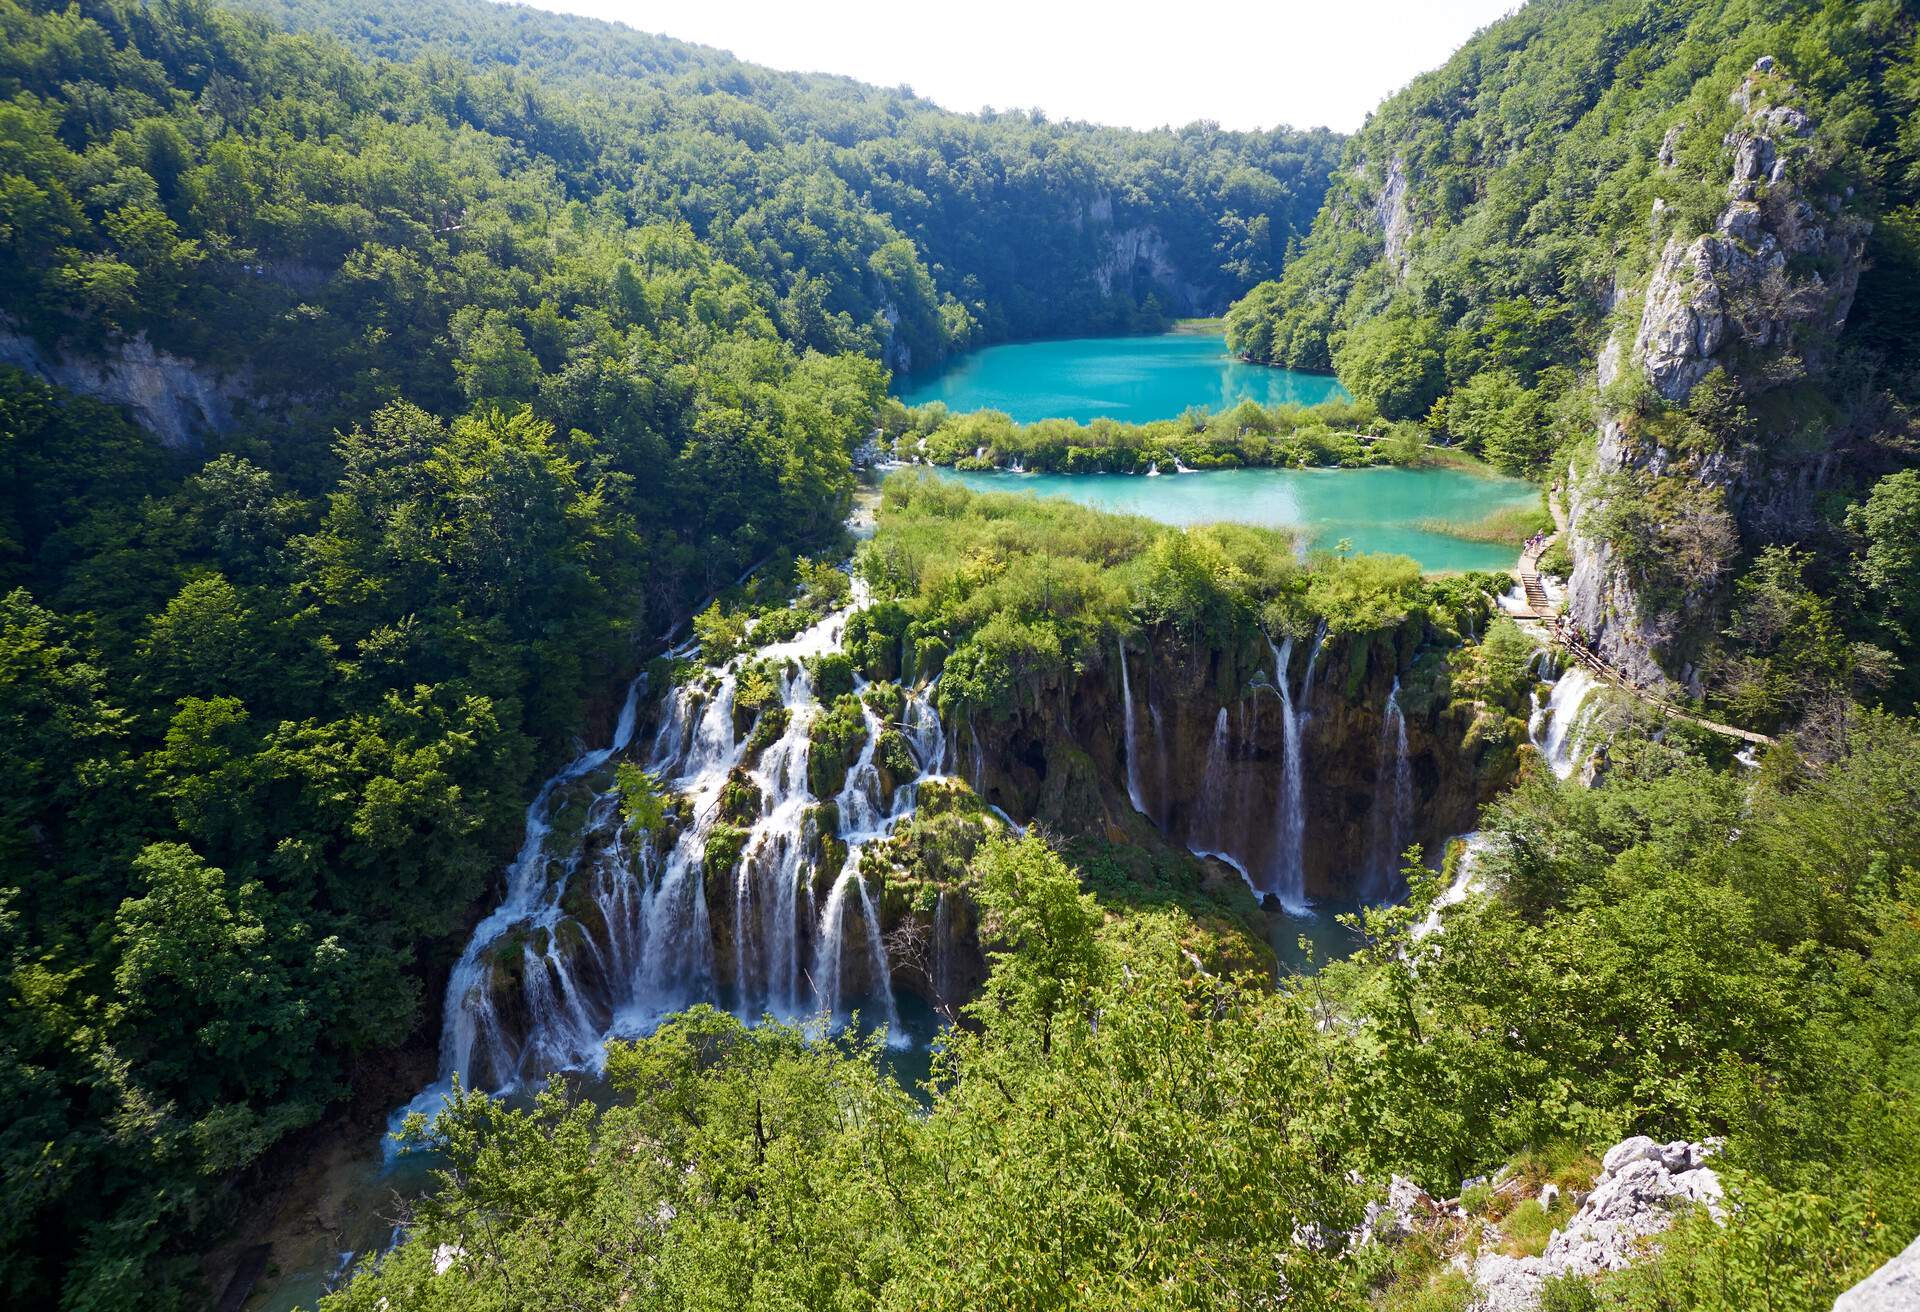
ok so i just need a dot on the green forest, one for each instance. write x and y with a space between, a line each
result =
475 358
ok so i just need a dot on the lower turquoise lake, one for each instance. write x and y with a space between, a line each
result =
1378 509
1133 379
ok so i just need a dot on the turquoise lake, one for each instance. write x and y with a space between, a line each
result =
1379 509
1135 379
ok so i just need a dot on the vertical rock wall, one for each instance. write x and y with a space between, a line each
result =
1761 296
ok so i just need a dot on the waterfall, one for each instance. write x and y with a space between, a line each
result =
1211 824
1556 725
635 943
1132 747
1392 802
1466 882
941 966
1288 878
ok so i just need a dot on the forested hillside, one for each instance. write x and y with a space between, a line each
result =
1033 228
1123 1119
466 382
461 356
1667 255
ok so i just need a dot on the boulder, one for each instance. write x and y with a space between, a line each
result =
1406 1206
1632 1200
1895 1287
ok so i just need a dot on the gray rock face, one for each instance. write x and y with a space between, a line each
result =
1642 1184
1406 1208
1141 252
1895 1287
1390 213
1762 295
178 400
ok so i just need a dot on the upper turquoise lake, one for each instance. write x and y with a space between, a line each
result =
1378 509
1134 379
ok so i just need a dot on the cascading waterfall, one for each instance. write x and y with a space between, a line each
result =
1288 877
1556 724
1392 802
1211 825
602 934
1128 725
469 1020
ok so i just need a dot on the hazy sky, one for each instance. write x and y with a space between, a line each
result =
1244 63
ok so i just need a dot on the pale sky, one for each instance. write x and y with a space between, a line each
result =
1243 63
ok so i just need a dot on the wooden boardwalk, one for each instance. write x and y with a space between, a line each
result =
1540 607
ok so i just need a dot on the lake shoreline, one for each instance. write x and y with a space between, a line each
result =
1132 379
1377 508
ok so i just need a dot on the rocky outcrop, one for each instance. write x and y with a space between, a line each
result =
1211 742
179 401
1761 296
1136 261
1895 1287
1390 214
1638 1195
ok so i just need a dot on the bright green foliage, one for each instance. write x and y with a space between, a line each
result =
1394 362
834 740
1675 951
1248 434
832 673
1160 1157
643 801
1013 598
1888 568
1787 652
1683 951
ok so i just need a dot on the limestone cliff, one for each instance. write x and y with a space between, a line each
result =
1210 752
178 400
1137 262
1761 296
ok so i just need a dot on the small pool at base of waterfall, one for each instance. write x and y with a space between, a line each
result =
1326 939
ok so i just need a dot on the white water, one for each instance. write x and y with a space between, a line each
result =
1288 877
1392 802
1557 726
1210 826
647 948
1132 746
1466 882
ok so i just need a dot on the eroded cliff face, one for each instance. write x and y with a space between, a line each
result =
1210 756
1391 216
1762 297
1136 261
176 399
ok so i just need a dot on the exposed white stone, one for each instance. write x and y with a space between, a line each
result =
1895 1287
1633 1199
178 400
1406 1206
1773 281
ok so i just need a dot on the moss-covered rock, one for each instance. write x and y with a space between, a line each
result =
725 843
740 799
885 700
893 759
835 738
832 674
756 690
766 731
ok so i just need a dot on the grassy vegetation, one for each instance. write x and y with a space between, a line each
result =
1214 327
1013 596
1511 525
